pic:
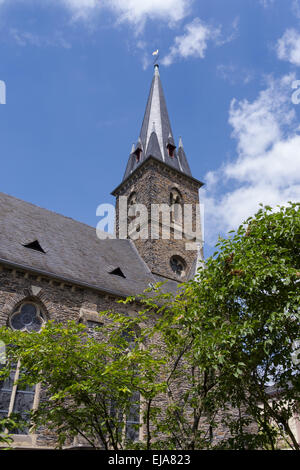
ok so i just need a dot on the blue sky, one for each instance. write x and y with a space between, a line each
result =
78 74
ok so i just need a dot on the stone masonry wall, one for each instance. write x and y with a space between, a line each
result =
152 185
60 302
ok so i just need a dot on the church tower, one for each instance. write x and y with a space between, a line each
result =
158 180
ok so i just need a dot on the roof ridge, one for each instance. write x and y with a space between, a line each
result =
47 210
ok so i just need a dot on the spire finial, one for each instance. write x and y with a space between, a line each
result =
156 56
180 142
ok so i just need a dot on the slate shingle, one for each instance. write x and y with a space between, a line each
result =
72 250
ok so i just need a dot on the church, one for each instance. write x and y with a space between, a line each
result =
55 268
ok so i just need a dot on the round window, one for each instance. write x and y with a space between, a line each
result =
28 317
178 265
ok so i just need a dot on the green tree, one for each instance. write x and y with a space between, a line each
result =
243 312
8 425
89 385
230 337
194 362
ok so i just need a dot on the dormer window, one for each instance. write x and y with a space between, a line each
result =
171 149
137 154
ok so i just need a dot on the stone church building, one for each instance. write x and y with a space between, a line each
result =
55 268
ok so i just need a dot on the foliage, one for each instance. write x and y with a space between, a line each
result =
231 334
243 309
252 284
88 384
8 425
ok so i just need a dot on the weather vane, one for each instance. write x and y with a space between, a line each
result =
156 56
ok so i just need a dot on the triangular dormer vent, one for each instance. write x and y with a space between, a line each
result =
35 246
118 272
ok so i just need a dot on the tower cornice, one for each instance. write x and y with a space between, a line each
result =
147 162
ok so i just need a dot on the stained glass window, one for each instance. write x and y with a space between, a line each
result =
23 403
6 387
15 397
27 317
178 265
133 418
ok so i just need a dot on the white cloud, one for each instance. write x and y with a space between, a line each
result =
81 8
193 43
25 38
132 11
230 36
267 167
266 3
137 11
288 47
296 8
235 74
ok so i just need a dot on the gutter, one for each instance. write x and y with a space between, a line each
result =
62 279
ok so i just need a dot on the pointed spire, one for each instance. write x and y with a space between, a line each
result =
157 113
156 128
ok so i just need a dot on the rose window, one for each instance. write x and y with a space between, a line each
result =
28 317
178 265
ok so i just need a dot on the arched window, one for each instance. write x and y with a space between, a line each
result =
14 397
131 207
132 199
176 205
131 418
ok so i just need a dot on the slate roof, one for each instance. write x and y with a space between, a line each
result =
157 123
73 252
